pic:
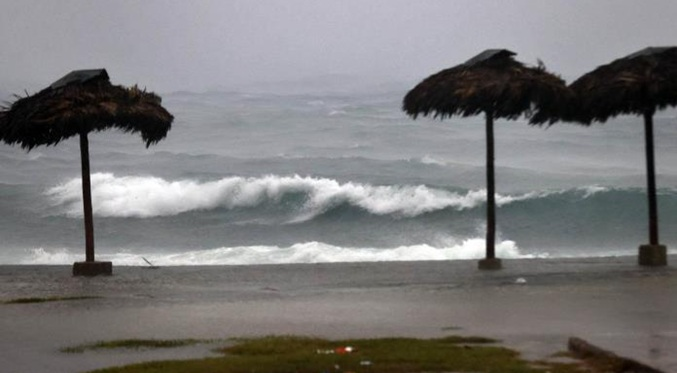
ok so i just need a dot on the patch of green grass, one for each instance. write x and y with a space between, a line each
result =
134 344
46 299
286 354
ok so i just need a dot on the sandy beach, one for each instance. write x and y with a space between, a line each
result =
533 306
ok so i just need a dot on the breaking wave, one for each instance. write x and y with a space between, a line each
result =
308 252
146 196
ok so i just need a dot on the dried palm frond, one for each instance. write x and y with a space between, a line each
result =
492 82
62 111
642 82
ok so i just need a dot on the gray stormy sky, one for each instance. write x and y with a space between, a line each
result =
227 44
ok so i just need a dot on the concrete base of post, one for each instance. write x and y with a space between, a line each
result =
92 268
489 264
653 255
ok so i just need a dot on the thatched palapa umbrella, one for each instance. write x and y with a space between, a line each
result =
81 102
494 84
638 84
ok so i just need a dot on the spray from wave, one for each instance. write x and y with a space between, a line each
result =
146 197
308 252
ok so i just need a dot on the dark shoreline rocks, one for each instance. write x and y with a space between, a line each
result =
597 355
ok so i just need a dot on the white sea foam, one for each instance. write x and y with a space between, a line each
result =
43 256
592 190
426 159
308 252
146 196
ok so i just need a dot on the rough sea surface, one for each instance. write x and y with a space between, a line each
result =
335 176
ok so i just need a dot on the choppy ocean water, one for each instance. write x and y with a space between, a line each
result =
259 178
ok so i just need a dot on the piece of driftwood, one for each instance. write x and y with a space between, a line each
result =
150 265
586 351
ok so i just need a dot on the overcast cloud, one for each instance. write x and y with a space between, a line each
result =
199 45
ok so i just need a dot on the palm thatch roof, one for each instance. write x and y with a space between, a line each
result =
491 82
81 102
636 84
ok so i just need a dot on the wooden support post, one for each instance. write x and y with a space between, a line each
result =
490 262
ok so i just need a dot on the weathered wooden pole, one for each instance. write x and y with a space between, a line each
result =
90 267
87 198
653 254
651 177
490 261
